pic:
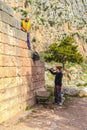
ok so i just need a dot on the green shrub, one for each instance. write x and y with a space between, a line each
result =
81 85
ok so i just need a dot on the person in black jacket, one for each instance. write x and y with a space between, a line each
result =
58 84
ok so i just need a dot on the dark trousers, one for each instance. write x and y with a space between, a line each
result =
57 94
28 41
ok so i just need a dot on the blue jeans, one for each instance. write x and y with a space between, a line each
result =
57 95
28 41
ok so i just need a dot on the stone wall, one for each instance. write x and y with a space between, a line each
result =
14 3
20 77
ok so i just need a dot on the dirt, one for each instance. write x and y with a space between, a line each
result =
71 116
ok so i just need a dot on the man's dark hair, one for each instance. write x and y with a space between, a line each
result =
59 67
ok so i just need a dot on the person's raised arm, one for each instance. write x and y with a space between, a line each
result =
52 71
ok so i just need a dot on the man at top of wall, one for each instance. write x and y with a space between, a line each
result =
26 25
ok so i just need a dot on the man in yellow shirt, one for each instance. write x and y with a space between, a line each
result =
26 25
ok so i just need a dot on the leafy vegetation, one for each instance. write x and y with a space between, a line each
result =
81 85
51 23
63 52
28 108
15 8
24 13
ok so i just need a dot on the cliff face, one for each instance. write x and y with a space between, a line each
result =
53 19
57 18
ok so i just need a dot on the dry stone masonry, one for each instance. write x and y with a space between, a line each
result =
20 77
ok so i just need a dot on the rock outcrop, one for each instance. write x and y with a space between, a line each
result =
53 19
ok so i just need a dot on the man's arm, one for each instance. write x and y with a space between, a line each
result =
52 71
23 29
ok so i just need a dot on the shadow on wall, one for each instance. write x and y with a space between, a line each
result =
30 94
35 80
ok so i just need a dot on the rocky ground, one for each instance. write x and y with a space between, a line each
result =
71 116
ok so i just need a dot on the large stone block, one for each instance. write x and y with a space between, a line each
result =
18 51
2 47
1 83
37 63
10 61
0 37
9 82
26 62
18 71
16 42
9 103
26 71
10 71
19 24
12 41
1 60
15 33
27 80
5 94
18 62
29 95
15 23
10 30
5 17
31 102
38 84
6 8
11 93
19 81
24 52
0 26
8 113
4 27
23 89
23 44
9 50
42 93
4 38
2 72
0 15
23 35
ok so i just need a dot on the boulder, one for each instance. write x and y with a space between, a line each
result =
83 92
72 91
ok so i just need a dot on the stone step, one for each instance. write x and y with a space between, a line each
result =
42 97
43 94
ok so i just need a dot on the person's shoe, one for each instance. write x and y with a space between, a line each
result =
60 104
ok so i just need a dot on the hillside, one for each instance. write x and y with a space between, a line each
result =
53 19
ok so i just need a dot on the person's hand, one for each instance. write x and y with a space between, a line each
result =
23 30
48 69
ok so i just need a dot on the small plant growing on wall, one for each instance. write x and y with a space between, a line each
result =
27 108
34 39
